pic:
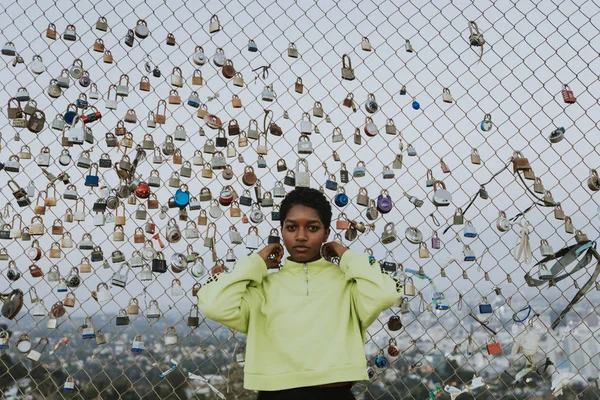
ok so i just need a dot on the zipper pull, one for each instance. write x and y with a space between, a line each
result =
306 273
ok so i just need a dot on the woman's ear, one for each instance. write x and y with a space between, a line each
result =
326 236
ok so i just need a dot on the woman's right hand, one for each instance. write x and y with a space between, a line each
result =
275 250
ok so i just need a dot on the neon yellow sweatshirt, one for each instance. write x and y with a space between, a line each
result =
306 323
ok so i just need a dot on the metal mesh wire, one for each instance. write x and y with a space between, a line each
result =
531 50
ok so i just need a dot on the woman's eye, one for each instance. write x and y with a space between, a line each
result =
289 227
314 228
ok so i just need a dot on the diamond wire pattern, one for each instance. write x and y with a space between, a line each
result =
519 91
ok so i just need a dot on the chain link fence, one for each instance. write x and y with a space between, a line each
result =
405 97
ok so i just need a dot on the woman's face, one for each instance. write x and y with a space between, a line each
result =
303 234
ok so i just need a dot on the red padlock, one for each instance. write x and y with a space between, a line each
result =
142 191
226 197
568 95
91 117
244 219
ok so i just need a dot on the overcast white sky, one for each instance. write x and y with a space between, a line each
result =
531 50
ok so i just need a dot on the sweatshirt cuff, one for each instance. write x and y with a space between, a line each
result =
252 266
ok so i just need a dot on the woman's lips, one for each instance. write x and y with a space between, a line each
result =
301 249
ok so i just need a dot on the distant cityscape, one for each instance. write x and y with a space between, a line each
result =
210 352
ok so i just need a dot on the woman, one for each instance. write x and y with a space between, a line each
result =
306 323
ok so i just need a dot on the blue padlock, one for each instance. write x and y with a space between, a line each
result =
92 180
70 116
341 200
275 215
416 105
261 162
331 183
82 102
182 197
380 360
485 307
252 46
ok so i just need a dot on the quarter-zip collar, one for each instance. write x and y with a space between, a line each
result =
305 270
295 267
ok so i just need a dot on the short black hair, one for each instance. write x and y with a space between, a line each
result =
308 197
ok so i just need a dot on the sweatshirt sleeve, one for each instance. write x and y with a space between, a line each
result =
374 291
227 298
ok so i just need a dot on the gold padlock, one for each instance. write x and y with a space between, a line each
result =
520 163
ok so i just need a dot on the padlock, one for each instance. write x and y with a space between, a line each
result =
371 104
469 230
347 70
370 128
389 233
304 145
359 170
70 33
159 264
423 250
36 352
557 135
137 345
520 163
558 212
593 181
502 223
363 197
176 289
410 150
493 347
469 255
580 237
292 50
122 318
485 307
567 94
384 202
446 96
214 25
268 94
122 88
444 166
435 241
441 197
193 320
545 248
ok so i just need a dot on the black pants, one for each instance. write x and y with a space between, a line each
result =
309 393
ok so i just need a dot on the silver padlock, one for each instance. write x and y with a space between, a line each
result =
469 230
138 344
171 336
153 310
119 278
545 248
389 233
441 197
252 240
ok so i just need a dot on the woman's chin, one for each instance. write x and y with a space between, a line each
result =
304 257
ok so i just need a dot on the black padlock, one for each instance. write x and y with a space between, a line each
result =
245 200
129 38
123 320
389 266
394 323
344 177
159 265
289 180
73 281
99 205
97 255
156 72
221 142
273 237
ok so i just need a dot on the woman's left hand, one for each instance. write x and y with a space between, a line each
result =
333 249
